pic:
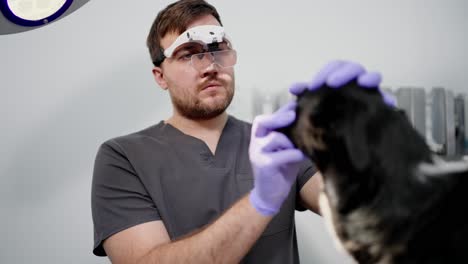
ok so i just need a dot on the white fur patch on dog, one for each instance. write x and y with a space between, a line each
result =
441 167
328 219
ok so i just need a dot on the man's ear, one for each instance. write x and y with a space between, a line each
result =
159 77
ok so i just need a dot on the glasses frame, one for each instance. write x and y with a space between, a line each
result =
213 60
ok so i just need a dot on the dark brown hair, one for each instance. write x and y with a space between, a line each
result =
174 19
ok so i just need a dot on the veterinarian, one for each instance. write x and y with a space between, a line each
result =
203 186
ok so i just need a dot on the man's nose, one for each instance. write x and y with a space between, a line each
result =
212 68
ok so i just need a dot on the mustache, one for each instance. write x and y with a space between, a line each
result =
212 81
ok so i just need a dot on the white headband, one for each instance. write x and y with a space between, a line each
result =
206 34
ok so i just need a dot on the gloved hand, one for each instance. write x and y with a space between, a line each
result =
337 73
275 161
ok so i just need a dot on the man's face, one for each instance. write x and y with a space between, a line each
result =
195 94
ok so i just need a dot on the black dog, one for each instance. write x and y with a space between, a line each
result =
388 198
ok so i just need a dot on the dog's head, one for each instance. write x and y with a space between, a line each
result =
342 120
376 195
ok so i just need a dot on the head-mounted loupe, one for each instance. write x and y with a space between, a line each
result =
209 36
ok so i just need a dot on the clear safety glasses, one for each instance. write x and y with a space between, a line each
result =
222 58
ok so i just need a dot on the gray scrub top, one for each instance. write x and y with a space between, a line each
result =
160 173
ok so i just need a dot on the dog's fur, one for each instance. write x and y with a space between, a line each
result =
389 200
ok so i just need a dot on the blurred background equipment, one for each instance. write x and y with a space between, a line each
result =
461 139
442 111
413 101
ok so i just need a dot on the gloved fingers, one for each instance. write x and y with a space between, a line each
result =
344 74
263 124
275 141
286 156
337 73
370 79
388 98
291 105
323 75
298 88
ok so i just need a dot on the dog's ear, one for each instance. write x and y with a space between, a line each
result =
356 144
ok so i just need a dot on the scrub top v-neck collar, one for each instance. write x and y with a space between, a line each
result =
225 149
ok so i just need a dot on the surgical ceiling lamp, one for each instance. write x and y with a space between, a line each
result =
32 13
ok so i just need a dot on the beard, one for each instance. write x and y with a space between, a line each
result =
194 108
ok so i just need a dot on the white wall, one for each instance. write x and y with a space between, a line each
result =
67 87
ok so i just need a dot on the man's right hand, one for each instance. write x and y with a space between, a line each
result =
275 161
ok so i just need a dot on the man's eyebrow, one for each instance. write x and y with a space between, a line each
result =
186 47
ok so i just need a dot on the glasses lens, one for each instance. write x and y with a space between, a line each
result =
224 58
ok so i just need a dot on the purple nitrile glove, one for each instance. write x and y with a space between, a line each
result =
337 73
275 161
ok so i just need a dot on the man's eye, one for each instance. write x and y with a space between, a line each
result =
185 56
224 46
